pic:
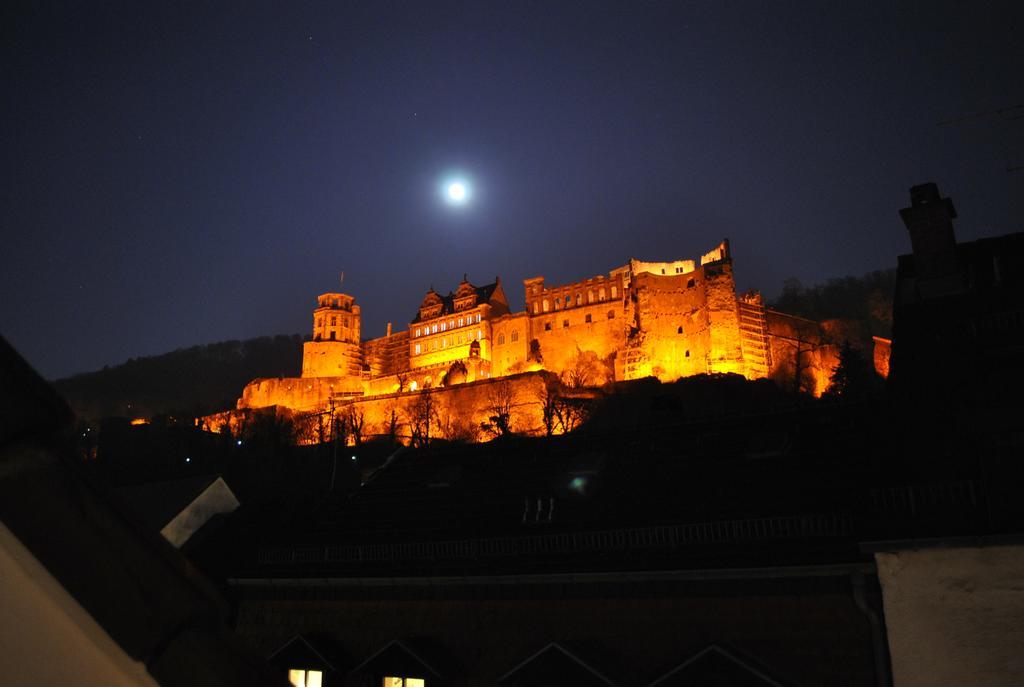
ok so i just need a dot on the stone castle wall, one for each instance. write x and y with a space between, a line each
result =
662 319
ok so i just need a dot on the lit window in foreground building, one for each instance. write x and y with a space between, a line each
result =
305 678
403 682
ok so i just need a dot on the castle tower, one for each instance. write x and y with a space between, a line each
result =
929 220
334 350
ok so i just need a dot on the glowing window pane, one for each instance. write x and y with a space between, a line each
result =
305 678
413 682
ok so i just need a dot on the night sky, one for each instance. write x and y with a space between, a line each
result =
183 173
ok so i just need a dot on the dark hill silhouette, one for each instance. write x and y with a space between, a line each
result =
187 381
866 299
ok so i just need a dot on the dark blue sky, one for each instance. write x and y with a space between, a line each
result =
181 173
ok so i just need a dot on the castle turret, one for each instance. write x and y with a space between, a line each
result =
929 219
334 350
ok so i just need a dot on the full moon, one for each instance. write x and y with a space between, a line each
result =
458 192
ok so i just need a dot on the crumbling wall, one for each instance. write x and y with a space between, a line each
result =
726 351
458 411
299 393
598 328
803 356
671 326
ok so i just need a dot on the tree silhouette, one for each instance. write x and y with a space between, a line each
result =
852 377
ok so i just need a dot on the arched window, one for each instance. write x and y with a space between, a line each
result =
545 305
501 339
413 385
679 330
536 307
590 296
444 325
417 331
601 295
515 335
579 299
615 292
418 349
433 329
479 334
568 301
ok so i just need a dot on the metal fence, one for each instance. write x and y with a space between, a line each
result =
631 539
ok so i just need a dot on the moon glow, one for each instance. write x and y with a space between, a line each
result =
457 192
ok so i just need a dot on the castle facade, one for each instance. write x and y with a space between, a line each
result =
662 319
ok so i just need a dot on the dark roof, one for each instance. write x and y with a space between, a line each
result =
157 503
133 583
483 295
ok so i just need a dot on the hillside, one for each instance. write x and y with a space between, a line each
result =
187 381
866 299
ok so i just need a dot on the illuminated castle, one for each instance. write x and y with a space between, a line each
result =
643 319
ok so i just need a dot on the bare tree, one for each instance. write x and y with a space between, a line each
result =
548 396
500 402
803 339
585 369
355 420
403 381
421 415
391 421
560 411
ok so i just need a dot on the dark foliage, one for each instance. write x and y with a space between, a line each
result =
188 381
853 377
866 299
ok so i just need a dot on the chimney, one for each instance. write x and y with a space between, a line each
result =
929 219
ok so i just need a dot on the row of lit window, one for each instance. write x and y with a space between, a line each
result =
334 303
560 303
447 341
333 320
444 326
589 318
315 678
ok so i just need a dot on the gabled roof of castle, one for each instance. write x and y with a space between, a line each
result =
483 295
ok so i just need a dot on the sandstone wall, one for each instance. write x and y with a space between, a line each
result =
565 334
387 355
672 327
459 409
789 336
511 337
330 359
298 393
726 352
